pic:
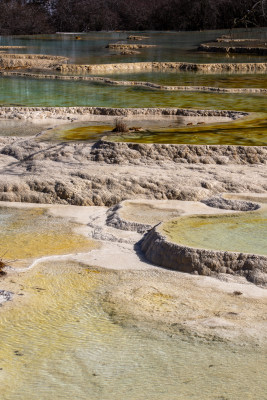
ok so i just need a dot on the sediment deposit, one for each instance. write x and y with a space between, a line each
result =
240 46
81 113
137 37
125 46
28 61
106 173
165 66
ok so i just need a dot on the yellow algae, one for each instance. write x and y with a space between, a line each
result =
250 131
49 318
27 234
58 342
242 232
88 132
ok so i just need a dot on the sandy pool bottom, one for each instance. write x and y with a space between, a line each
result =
64 339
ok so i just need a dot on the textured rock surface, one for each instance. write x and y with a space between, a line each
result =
179 66
115 220
224 45
5 296
160 251
136 153
107 173
235 205
43 113
38 61
125 46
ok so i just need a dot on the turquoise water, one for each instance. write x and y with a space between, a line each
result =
171 46
30 92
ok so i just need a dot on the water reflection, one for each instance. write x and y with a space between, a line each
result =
171 46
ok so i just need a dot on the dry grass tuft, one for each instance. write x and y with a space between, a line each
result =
120 126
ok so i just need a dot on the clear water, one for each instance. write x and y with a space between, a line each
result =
60 343
184 78
28 234
171 46
245 232
30 92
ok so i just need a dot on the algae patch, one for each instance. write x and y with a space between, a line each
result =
27 234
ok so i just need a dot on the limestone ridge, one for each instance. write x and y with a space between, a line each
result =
141 84
86 174
226 204
70 112
165 66
138 153
115 220
160 251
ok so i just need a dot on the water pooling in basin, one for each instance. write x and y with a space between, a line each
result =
182 78
55 93
243 232
31 233
251 131
82 131
59 343
248 131
170 46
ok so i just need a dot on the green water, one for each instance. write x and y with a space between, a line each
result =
182 78
170 46
245 232
249 131
30 92
76 132
245 132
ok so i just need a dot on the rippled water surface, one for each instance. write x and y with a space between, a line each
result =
57 340
59 343
182 78
245 232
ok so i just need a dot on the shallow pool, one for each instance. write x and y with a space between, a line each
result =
59 343
244 232
170 46
31 92
32 233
